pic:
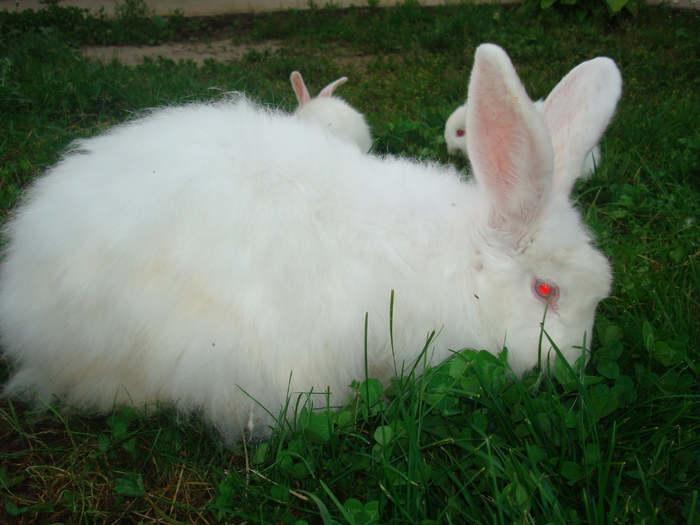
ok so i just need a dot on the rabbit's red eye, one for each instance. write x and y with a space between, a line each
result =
460 133
545 290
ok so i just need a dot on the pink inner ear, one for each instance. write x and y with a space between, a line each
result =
499 142
300 90
493 121
328 90
508 143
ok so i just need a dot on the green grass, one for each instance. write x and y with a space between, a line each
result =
616 443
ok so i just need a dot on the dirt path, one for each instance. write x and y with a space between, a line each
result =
221 50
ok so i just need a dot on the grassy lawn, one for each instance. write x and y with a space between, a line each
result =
616 443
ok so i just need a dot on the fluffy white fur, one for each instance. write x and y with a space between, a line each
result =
332 113
222 256
456 136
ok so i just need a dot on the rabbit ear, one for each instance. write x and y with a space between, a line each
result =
328 90
299 87
577 111
508 144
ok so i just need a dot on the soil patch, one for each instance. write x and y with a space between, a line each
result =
222 50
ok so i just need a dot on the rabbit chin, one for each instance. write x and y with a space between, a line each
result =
538 345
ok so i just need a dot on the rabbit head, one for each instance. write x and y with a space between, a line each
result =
222 257
332 112
526 163
456 133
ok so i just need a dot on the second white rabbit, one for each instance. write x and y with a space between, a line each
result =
333 113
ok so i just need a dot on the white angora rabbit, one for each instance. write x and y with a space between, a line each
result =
456 137
332 112
221 256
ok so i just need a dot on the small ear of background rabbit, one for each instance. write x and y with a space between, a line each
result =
333 113
456 139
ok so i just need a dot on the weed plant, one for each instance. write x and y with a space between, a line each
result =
464 443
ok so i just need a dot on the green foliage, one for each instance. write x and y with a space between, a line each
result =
585 9
615 441
466 428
